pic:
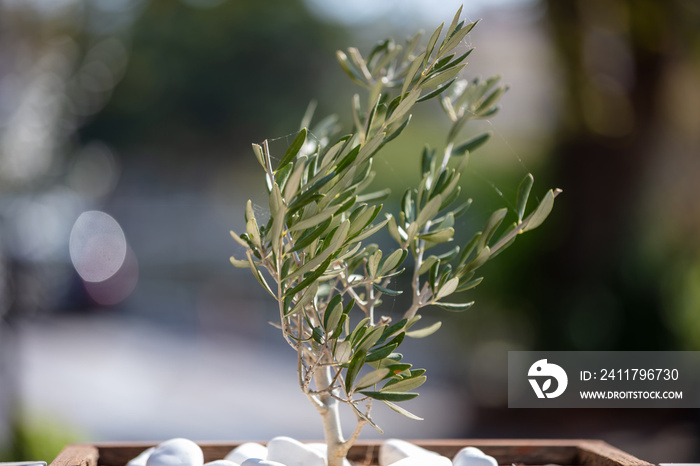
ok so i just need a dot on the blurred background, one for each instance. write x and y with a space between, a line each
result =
125 132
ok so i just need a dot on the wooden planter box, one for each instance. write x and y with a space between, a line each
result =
507 452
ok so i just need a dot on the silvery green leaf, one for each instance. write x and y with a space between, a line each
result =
343 352
369 232
449 255
404 385
257 273
385 290
359 328
472 144
482 256
239 264
371 378
251 229
431 43
453 25
373 263
394 229
349 69
455 307
381 353
334 310
490 101
375 196
371 338
523 194
542 211
356 364
389 396
402 411
492 225
424 332
293 148
442 77
393 261
394 134
310 235
438 237
470 284
310 278
370 148
427 264
411 73
448 288
429 211
258 151
315 220
292 186
404 106
437 91
457 37
469 247
307 296
238 239
278 211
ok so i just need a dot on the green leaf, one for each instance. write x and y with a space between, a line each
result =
257 273
431 43
293 148
481 257
453 25
442 77
542 211
424 332
405 105
343 352
472 144
492 225
258 151
310 278
381 353
402 411
371 338
315 220
438 237
292 186
523 194
411 73
278 210
310 235
394 229
427 264
404 385
437 91
334 310
349 69
371 378
375 196
429 211
390 396
470 284
456 38
455 307
354 367
397 131
305 299
394 260
448 288
239 264
369 232
386 291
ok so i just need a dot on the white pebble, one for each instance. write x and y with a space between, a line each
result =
472 456
291 452
259 462
394 450
222 463
424 461
141 459
322 448
246 450
176 452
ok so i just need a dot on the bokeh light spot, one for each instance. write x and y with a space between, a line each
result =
97 246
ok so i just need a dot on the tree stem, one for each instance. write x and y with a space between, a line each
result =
337 447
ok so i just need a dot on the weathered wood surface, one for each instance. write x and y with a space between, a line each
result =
506 451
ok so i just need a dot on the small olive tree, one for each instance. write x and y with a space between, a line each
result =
312 257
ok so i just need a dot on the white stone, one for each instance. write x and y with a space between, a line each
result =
141 459
259 462
436 460
322 448
246 450
222 463
176 452
394 450
291 452
472 456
